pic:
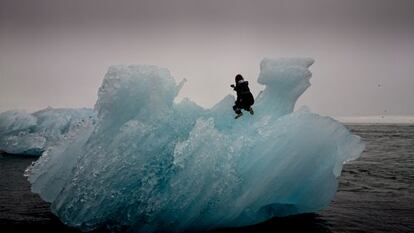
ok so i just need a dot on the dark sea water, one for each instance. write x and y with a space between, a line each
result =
376 192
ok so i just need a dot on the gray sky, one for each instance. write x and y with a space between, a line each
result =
55 53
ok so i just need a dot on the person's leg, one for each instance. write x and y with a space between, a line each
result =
248 104
236 109
248 108
251 110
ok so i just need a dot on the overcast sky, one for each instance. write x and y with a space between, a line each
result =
55 53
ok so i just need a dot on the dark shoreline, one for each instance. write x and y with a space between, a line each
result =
17 215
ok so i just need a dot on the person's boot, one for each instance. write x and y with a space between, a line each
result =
251 110
238 115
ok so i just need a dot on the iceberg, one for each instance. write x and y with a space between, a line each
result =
148 164
31 133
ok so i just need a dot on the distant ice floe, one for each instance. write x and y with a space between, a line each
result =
31 133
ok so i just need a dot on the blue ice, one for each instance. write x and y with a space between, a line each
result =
31 133
148 164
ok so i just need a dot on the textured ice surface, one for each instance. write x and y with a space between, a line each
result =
31 133
149 164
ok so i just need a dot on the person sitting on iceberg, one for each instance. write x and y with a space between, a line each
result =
244 99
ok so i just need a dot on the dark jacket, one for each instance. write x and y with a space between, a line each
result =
242 87
244 96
